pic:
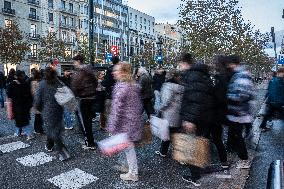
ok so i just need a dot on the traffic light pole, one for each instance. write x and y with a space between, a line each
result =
274 44
91 32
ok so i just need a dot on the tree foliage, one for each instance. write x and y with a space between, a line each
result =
217 27
13 47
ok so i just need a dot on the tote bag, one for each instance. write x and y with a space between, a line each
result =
160 128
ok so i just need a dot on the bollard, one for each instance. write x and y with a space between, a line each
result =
275 178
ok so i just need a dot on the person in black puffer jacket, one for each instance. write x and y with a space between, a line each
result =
197 104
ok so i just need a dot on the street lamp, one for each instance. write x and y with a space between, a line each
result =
91 31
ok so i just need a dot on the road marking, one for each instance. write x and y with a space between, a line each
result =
5 148
73 179
35 159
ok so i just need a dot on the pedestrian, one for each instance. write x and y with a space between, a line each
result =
221 82
197 105
171 96
38 122
52 113
275 99
67 116
126 115
20 94
2 87
147 93
239 96
11 76
84 84
158 80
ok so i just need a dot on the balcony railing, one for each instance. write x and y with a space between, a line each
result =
8 11
33 17
68 11
34 36
67 26
33 2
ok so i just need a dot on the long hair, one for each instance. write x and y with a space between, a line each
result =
50 75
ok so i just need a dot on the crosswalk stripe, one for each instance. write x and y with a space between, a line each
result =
74 179
5 148
35 159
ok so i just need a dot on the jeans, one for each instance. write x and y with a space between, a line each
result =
28 130
1 98
236 141
68 119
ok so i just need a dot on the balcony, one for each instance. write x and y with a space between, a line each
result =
68 11
33 2
33 17
67 26
34 36
8 11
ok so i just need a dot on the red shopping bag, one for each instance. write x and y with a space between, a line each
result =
9 109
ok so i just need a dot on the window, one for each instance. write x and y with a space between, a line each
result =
50 29
33 12
64 20
130 24
33 30
34 50
72 22
62 4
145 21
140 19
64 35
50 17
7 5
130 15
50 4
8 23
70 7
135 17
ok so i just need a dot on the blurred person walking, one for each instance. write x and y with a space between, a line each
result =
158 80
20 94
2 87
126 115
52 113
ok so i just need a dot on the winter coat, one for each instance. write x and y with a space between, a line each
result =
145 83
52 112
239 96
109 82
100 96
34 88
21 96
158 80
2 81
171 97
198 99
84 82
126 111
275 93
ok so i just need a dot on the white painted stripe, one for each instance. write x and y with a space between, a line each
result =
13 146
35 159
73 179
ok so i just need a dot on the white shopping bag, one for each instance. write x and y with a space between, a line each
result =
114 144
160 128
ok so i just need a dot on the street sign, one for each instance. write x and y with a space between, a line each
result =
281 59
159 58
108 57
114 50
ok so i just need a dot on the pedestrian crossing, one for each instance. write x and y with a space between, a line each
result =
73 179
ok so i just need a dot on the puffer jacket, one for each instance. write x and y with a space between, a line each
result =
198 99
240 95
145 83
171 97
126 111
275 93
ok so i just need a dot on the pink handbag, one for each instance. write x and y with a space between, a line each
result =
10 113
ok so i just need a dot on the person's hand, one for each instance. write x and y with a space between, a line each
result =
189 127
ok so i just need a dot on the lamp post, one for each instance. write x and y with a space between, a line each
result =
91 31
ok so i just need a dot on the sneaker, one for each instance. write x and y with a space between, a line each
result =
264 129
243 164
225 165
49 149
85 147
194 182
64 155
30 137
224 175
160 154
121 168
68 128
38 133
129 177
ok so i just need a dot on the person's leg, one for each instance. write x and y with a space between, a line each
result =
230 140
38 122
68 119
241 149
132 174
148 107
28 130
49 144
1 98
217 135
17 131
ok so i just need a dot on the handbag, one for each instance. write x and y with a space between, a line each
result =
114 144
9 108
66 98
160 128
191 149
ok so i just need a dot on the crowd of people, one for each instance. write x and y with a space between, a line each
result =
194 98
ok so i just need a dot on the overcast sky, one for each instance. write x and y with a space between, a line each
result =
262 13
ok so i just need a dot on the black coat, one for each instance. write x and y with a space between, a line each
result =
158 80
2 81
21 96
198 99
109 82
145 82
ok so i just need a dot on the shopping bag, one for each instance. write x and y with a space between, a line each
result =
160 128
9 108
66 98
190 149
114 144
146 136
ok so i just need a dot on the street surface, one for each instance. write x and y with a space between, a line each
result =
27 165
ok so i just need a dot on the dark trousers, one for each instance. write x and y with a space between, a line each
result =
236 141
217 137
148 106
86 116
51 142
166 144
38 123
271 110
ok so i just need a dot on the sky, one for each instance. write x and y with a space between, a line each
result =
261 13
